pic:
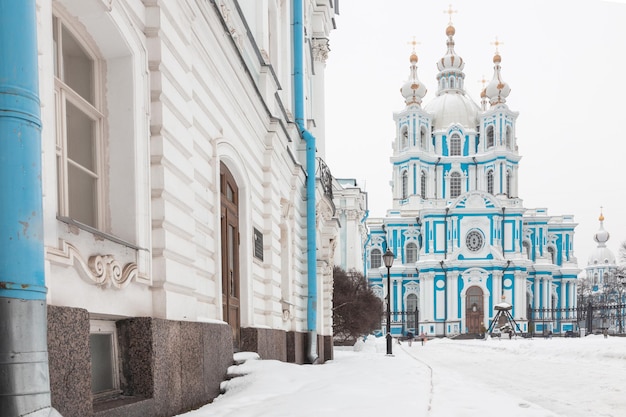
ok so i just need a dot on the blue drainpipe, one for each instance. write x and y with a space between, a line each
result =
299 99
25 382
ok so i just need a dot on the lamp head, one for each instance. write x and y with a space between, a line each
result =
388 258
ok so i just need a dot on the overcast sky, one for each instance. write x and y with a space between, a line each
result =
565 61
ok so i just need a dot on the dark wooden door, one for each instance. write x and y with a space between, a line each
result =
474 310
230 252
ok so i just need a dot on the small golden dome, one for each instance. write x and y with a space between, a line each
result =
450 31
496 58
483 93
413 58
601 218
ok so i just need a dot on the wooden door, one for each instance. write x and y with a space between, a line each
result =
230 252
474 310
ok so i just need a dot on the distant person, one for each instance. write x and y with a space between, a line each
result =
410 336
605 332
424 338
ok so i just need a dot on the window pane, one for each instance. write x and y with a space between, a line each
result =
82 196
376 258
455 185
80 137
100 347
77 67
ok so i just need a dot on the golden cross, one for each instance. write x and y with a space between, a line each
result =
414 42
497 43
450 12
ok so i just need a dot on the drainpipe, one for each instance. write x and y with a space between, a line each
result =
24 381
503 254
299 99
436 163
475 173
367 241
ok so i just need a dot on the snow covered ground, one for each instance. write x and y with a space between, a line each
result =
538 377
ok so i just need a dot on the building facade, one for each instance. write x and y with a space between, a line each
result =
463 241
187 208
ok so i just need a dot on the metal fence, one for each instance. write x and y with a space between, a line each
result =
590 318
402 322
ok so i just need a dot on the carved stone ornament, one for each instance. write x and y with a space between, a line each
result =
101 270
320 49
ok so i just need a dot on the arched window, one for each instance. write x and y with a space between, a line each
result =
552 254
375 258
411 253
404 138
405 185
455 145
490 181
508 183
490 141
423 138
526 247
455 185
509 138
423 184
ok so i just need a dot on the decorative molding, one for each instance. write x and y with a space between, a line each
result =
320 49
101 270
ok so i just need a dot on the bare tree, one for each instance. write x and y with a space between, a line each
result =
356 309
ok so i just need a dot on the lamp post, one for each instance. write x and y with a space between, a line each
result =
621 281
388 259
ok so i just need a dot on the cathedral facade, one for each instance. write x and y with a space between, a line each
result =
462 240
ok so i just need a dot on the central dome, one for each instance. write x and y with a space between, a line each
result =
453 108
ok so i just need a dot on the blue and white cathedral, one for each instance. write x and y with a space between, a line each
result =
462 239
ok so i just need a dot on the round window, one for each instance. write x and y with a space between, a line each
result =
474 240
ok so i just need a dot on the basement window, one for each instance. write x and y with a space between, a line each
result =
105 380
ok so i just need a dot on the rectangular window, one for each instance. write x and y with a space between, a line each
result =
79 121
258 244
105 380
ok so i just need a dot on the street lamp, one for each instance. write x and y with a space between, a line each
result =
388 259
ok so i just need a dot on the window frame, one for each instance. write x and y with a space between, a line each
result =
410 252
376 255
107 327
490 136
405 184
65 94
455 145
490 181
423 184
455 181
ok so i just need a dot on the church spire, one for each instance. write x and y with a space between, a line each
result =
413 90
497 90
450 67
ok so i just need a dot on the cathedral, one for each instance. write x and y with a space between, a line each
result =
464 245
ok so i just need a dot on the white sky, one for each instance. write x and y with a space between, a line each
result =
444 378
564 60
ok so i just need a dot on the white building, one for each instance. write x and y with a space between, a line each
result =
462 239
178 142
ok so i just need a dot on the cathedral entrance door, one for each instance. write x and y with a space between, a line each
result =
474 310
